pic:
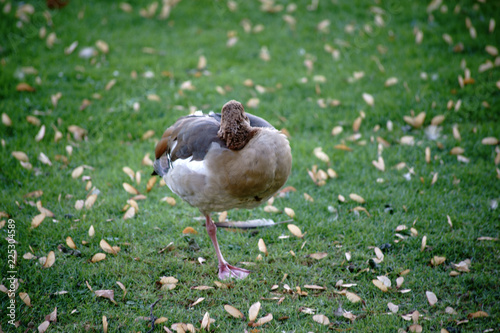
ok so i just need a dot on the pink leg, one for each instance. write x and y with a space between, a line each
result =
225 270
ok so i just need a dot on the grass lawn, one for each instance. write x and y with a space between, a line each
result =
410 90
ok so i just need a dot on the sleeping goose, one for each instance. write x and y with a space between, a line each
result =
222 161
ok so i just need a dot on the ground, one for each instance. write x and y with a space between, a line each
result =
395 102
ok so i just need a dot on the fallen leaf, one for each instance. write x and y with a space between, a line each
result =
205 322
77 172
104 324
189 230
43 326
436 261
357 198
106 247
130 213
295 230
368 99
109 294
23 86
91 231
262 247
20 156
37 220
267 318
6 120
490 141
25 298
394 308
424 243
478 314
322 319
431 297
89 202
353 297
70 243
233 311
379 164
380 285
130 189
51 258
289 212
253 311
98 257
318 255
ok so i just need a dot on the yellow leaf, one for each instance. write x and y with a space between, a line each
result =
478 314
89 202
130 213
357 198
253 311
322 319
189 230
318 255
106 247
380 285
289 212
130 189
25 298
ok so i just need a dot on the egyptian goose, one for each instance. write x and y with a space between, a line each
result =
217 162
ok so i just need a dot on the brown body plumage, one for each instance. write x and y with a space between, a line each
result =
217 163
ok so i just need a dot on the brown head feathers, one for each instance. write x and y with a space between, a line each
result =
235 129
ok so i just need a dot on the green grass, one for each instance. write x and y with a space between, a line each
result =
114 141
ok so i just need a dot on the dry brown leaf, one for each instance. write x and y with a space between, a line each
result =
6 120
130 189
109 294
233 311
478 314
20 156
368 99
98 257
25 298
415 328
151 183
322 319
393 307
171 201
253 311
51 258
357 198
106 247
37 220
23 86
431 297
352 297
264 320
380 285
424 243
295 230
289 212
43 326
318 255
262 247
89 202
490 141
110 84
70 243
104 324
436 261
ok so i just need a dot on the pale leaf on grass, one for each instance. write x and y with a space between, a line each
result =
295 230
129 172
79 204
40 134
424 243
89 202
130 189
161 320
449 221
198 301
380 285
318 152
314 287
379 164
431 298
109 294
253 311
51 258
379 254
77 172
353 297
267 318
322 319
202 288
130 213
368 99
289 212
37 220
44 159
263 247
98 257
25 298
20 156
436 260
393 307
385 280
106 247
105 324
122 287
91 231
43 326
357 198
399 281
205 322
492 141
450 310
70 243
318 255
233 311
